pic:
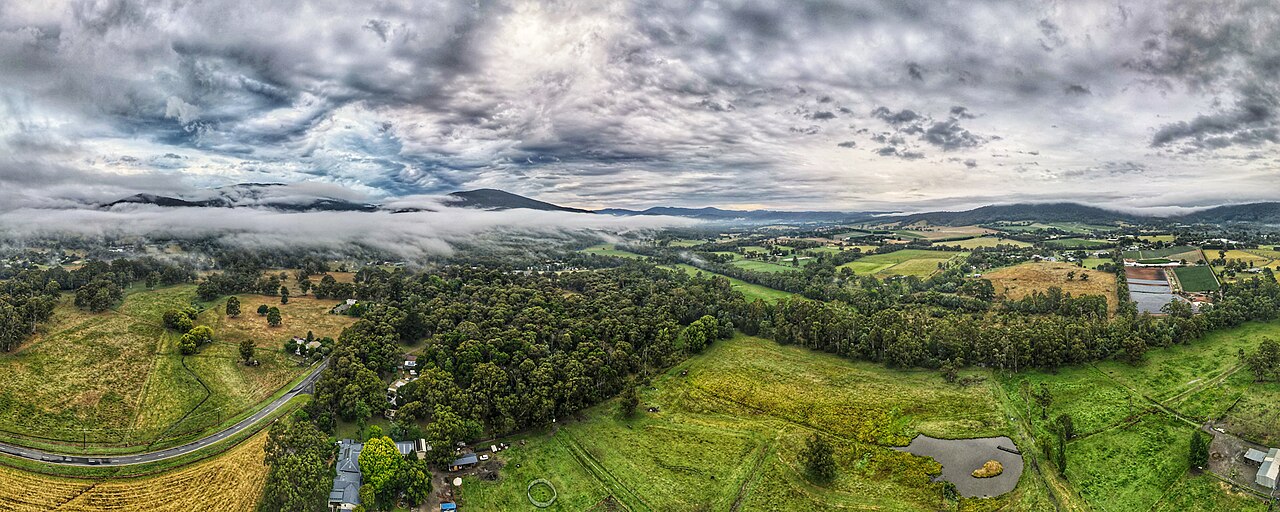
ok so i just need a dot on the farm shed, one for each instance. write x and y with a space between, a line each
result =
1269 470
464 462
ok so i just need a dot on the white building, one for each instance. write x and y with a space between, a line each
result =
1269 468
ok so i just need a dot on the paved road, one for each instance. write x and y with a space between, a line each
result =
139 458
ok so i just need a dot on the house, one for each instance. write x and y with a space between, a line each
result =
394 389
410 362
464 462
1270 468
345 494
342 308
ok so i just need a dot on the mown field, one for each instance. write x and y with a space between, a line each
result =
1069 227
115 381
1175 253
232 481
782 265
1021 280
751 291
927 232
727 436
906 262
982 241
1129 455
1196 279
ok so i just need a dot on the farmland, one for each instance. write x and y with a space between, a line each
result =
1130 456
1175 253
927 232
231 481
115 381
729 432
1196 279
982 241
906 262
1077 243
782 265
1079 228
1019 281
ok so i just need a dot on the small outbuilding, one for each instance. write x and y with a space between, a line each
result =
464 462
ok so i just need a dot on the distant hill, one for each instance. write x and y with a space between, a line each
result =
494 199
717 214
1047 212
1260 213
262 195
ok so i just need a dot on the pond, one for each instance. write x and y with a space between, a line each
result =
959 457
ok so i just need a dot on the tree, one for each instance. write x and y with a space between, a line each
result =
202 333
233 307
1044 399
415 480
630 401
299 477
1066 426
263 309
1200 449
445 430
380 464
273 317
284 294
1264 363
246 351
187 345
818 460
949 371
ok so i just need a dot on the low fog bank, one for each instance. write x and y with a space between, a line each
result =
409 235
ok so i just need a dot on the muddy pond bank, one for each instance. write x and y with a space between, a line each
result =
959 457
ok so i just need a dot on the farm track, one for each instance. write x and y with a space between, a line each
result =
765 451
207 393
626 497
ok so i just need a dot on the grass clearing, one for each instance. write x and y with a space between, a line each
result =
1018 281
231 481
783 265
752 291
1174 253
1077 243
729 432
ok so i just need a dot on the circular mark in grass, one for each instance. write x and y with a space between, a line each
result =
541 493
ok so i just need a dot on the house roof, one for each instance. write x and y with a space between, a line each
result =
469 458
405 447
410 357
346 483
1255 455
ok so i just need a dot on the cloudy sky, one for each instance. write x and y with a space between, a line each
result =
898 104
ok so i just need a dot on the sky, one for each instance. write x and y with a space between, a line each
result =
856 106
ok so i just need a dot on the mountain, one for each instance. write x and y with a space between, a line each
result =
717 214
1259 213
277 196
494 199
1046 212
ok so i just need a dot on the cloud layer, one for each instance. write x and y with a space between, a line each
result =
787 104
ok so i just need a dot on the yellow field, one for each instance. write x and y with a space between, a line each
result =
232 481
1251 257
291 273
1019 281
300 315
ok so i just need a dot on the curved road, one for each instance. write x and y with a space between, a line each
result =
139 458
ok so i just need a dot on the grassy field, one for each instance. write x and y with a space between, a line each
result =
1156 238
982 241
610 250
1019 281
1131 456
1095 262
1069 227
765 266
1077 243
114 381
727 437
1196 279
1177 252
231 481
752 291
906 262
928 232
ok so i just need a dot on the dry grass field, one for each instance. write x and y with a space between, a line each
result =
1019 281
300 315
115 380
232 481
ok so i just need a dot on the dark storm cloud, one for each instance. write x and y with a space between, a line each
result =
574 101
